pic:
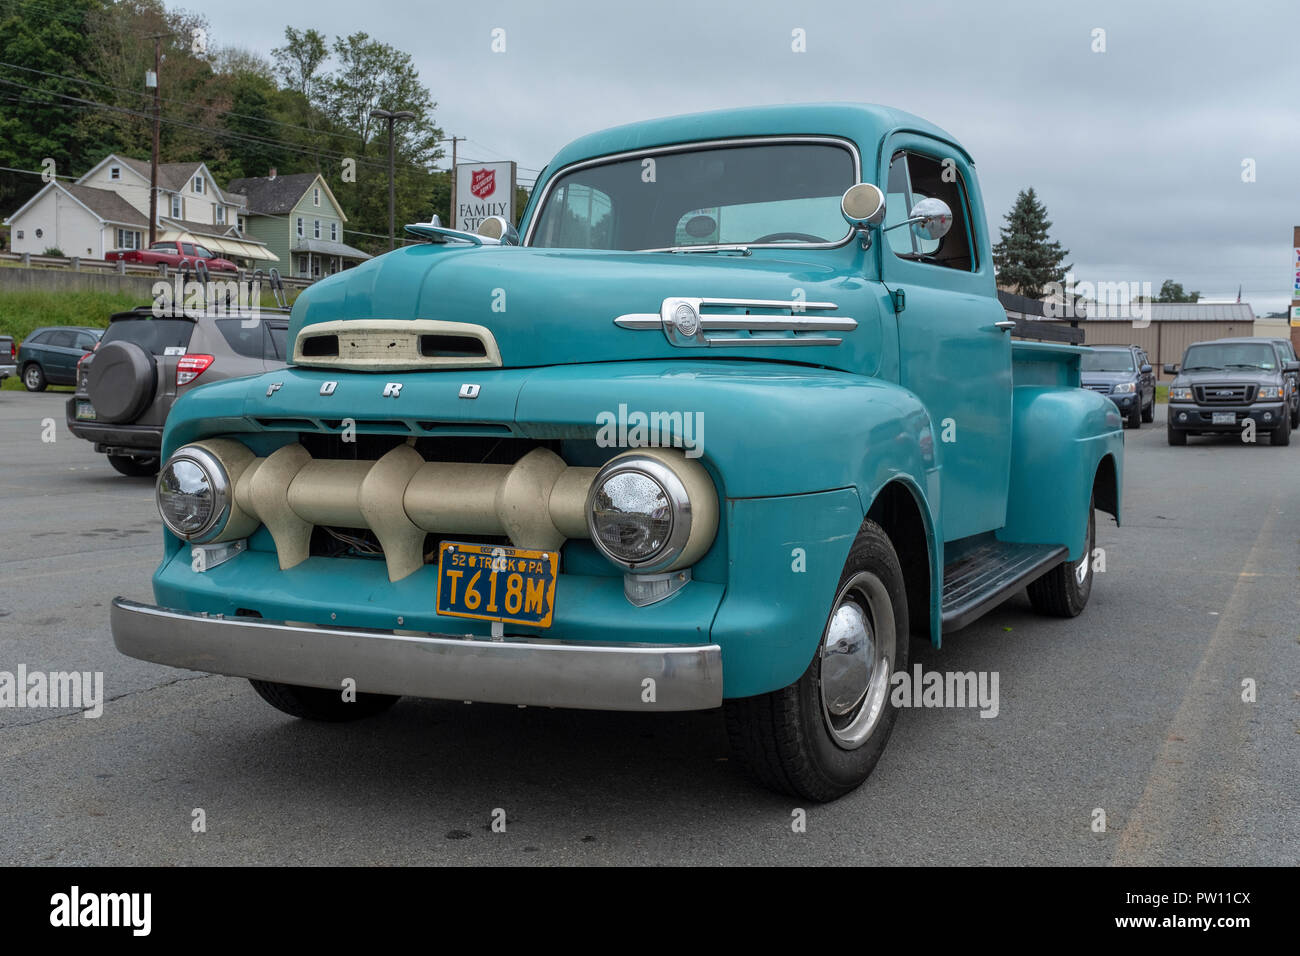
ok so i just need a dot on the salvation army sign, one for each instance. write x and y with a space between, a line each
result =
482 190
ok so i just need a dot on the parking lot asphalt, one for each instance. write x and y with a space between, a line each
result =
1135 709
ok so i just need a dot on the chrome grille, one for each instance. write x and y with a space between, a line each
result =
1231 394
1103 387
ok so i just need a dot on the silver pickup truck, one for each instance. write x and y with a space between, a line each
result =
8 357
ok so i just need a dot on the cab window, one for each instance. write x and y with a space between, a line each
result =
913 177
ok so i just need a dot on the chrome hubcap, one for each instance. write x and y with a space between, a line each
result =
33 377
857 652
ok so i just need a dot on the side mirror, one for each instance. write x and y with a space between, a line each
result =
1291 366
1171 368
930 218
496 227
1146 369
863 205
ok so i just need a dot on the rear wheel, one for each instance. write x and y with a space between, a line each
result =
821 736
134 467
34 377
318 703
1064 590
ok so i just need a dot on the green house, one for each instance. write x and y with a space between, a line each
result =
299 220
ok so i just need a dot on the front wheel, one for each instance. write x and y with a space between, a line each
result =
319 703
1149 413
1064 590
1282 434
134 467
1135 415
820 737
1176 437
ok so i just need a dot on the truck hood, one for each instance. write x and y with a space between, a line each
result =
557 306
1233 376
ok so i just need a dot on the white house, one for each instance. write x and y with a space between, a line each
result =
108 208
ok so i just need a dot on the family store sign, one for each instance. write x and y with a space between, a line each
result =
482 190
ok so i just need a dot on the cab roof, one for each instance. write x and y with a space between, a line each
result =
863 123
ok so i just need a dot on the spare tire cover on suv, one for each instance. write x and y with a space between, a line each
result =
122 381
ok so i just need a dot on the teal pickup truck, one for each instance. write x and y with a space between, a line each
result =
734 412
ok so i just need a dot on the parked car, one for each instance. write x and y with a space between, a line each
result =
175 255
1288 354
143 364
8 357
517 501
49 356
1221 384
1123 374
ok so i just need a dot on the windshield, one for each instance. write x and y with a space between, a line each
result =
723 195
153 335
1108 361
1231 355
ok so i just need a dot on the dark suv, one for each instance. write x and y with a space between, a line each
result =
1123 374
126 387
1222 383
1288 355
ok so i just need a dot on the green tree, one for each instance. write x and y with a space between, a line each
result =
1171 291
1025 259
37 120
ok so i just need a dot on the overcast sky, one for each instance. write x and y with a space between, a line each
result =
1137 152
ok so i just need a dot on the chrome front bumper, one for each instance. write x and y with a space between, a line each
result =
513 670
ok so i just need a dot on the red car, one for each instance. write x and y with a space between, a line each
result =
174 254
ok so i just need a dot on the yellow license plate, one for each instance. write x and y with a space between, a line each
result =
494 583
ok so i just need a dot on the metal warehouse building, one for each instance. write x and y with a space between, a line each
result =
1173 327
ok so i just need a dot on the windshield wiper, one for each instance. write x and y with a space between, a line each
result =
741 249
1202 368
1243 365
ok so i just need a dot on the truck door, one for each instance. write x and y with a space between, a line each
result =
952 355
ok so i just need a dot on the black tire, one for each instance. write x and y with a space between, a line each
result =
1135 415
787 738
34 377
1282 434
1060 592
134 467
1176 437
319 703
1149 413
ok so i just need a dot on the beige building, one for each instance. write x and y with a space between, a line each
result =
1173 326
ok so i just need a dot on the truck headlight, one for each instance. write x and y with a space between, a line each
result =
1268 393
1125 388
651 511
1180 395
193 494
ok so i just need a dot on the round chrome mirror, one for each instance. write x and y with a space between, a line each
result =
496 227
863 205
931 218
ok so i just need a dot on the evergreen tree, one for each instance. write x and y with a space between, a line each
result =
1026 261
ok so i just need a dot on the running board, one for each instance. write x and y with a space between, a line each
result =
984 577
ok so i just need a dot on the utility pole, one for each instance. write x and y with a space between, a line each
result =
452 210
392 195
157 122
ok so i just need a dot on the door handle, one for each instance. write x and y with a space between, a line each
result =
1006 325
